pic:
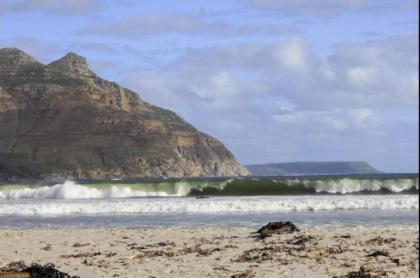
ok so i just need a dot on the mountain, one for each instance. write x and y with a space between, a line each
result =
63 121
312 168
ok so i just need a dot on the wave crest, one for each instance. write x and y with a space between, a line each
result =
72 190
230 187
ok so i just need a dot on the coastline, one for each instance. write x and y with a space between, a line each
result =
216 251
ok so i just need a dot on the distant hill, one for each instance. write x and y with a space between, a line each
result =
312 168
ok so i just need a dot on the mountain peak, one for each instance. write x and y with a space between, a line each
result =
73 56
14 58
13 51
73 64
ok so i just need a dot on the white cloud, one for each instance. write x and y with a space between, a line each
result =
374 74
361 76
182 24
307 8
292 55
336 120
265 100
221 88
331 8
79 7
155 24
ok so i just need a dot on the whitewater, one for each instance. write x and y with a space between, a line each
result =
346 200
229 187
212 205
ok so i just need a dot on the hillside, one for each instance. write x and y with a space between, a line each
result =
62 120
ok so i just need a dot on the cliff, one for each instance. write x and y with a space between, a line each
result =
61 120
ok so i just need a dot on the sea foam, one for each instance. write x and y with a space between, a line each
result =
72 190
348 185
211 205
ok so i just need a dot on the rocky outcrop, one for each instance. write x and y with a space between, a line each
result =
62 120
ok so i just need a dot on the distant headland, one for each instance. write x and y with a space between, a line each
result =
312 168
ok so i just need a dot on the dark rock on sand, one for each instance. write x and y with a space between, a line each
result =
62 121
249 273
379 253
21 270
364 272
277 228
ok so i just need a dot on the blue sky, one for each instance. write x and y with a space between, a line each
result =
276 81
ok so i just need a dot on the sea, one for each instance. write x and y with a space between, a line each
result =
380 200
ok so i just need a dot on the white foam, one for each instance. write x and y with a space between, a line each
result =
211 205
71 190
347 185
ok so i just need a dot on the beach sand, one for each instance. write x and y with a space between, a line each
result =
216 252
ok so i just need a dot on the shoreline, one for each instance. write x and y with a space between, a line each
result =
215 251
194 227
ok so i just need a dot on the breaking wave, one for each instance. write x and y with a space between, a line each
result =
214 205
227 187
72 190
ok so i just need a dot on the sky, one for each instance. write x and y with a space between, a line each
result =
276 81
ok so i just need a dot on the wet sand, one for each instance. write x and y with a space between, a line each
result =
216 252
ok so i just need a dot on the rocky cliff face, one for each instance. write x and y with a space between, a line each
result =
61 120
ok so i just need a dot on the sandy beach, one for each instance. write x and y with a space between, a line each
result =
216 252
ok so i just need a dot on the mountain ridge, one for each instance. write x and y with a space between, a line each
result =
62 120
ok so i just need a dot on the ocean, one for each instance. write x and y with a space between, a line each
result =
339 201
